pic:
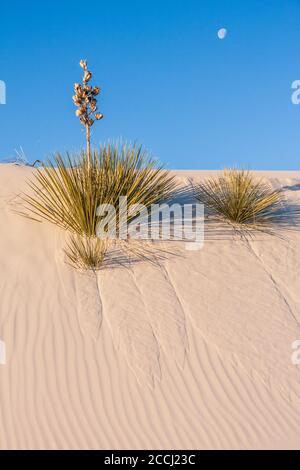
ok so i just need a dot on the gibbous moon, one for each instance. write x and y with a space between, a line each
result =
222 33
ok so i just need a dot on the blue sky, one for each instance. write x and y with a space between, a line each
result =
168 82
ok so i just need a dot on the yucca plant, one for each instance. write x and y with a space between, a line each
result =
240 198
67 191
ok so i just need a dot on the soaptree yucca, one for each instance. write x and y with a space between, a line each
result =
239 197
68 190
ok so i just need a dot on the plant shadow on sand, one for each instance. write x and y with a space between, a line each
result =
293 187
143 327
286 218
287 221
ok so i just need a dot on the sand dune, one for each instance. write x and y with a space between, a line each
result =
191 352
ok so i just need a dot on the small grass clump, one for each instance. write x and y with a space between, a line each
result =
238 197
86 252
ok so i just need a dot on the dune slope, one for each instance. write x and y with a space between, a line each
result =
193 352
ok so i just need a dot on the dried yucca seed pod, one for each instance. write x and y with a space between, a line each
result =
87 76
83 64
84 120
77 101
77 87
96 90
99 116
80 111
93 103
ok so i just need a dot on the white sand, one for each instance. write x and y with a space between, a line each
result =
192 353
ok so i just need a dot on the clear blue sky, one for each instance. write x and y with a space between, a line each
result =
168 82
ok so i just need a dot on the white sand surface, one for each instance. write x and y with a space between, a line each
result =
193 352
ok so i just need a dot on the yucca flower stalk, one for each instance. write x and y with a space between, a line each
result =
86 102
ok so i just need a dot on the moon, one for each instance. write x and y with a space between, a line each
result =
222 33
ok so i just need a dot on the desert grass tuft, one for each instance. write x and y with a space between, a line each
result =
238 197
86 253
